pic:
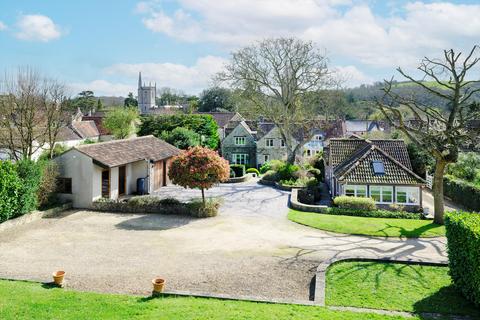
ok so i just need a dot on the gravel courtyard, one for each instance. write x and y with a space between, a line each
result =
251 248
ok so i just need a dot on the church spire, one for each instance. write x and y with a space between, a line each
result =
140 79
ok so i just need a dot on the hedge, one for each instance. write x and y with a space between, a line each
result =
462 192
239 170
10 189
373 213
346 202
463 235
253 170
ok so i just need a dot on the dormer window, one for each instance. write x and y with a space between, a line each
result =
378 167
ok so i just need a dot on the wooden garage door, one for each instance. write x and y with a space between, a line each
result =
157 175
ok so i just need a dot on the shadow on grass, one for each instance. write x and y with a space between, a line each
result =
447 300
414 233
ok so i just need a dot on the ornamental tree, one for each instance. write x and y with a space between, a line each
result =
198 168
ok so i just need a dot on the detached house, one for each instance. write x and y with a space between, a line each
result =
379 169
239 146
112 169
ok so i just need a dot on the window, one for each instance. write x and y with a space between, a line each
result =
240 141
378 167
282 143
265 158
64 185
407 195
309 152
240 158
382 194
356 191
269 142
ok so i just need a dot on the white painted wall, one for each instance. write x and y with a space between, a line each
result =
137 170
114 183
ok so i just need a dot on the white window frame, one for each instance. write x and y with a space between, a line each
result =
408 192
382 188
356 188
240 138
267 144
240 158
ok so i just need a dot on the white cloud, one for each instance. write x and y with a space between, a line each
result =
348 29
104 88
35 27
191 79
352 76
2 26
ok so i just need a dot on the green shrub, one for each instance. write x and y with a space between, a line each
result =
346 202
462 192
232 173
198 209
10 189
30 173
373 213
239 169
463 235
271 176
57 150
253 170
170 202
181 138
467 167
287 171
265 167
302 182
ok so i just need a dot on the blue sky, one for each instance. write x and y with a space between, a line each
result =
101 45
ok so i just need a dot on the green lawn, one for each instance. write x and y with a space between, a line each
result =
386 227
28 300
395 286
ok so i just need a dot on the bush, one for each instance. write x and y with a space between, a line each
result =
271 176
462 192
287 171
265 167
181 138
373 213
346 202
239 170
10 188
232 173
46 192
467 167
463 235
59 149
210 209
253 170
31 174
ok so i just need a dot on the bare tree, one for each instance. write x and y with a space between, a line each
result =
441 130
276 77
31 113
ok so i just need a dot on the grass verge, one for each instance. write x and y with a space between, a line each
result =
385 227
395 286
28 300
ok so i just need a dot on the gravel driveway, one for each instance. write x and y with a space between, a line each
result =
251 248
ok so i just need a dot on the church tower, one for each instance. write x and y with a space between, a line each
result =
146 96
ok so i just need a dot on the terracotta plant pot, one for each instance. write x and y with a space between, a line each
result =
158 285
58 277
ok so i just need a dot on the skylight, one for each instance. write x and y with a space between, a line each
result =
378 167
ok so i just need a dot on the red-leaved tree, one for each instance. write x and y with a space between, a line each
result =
199 168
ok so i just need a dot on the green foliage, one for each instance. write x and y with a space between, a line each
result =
270 175
463 234
287 171
462 192
85 100
376 213
239 169
10 190
204 125
422 161
46 191
121 121
274 165
130 101
253 170
215 99
346 202
181 138
59 149
308 182
467 167
200 210
31 174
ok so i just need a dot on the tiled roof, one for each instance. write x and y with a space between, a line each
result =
67 134
98 119
86 129
223 118
119 152
351 160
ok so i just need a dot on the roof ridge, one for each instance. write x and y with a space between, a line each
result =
113 141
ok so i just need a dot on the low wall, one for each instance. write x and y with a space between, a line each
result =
33 216
239 179
297 205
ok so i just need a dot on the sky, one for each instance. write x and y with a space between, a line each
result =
102 45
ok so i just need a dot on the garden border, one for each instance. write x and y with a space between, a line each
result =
320 274
295 204
34 216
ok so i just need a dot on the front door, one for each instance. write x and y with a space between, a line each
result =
157 174
121 180
106 183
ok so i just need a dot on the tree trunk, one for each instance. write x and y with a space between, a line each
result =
291 155
437 189
203 197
